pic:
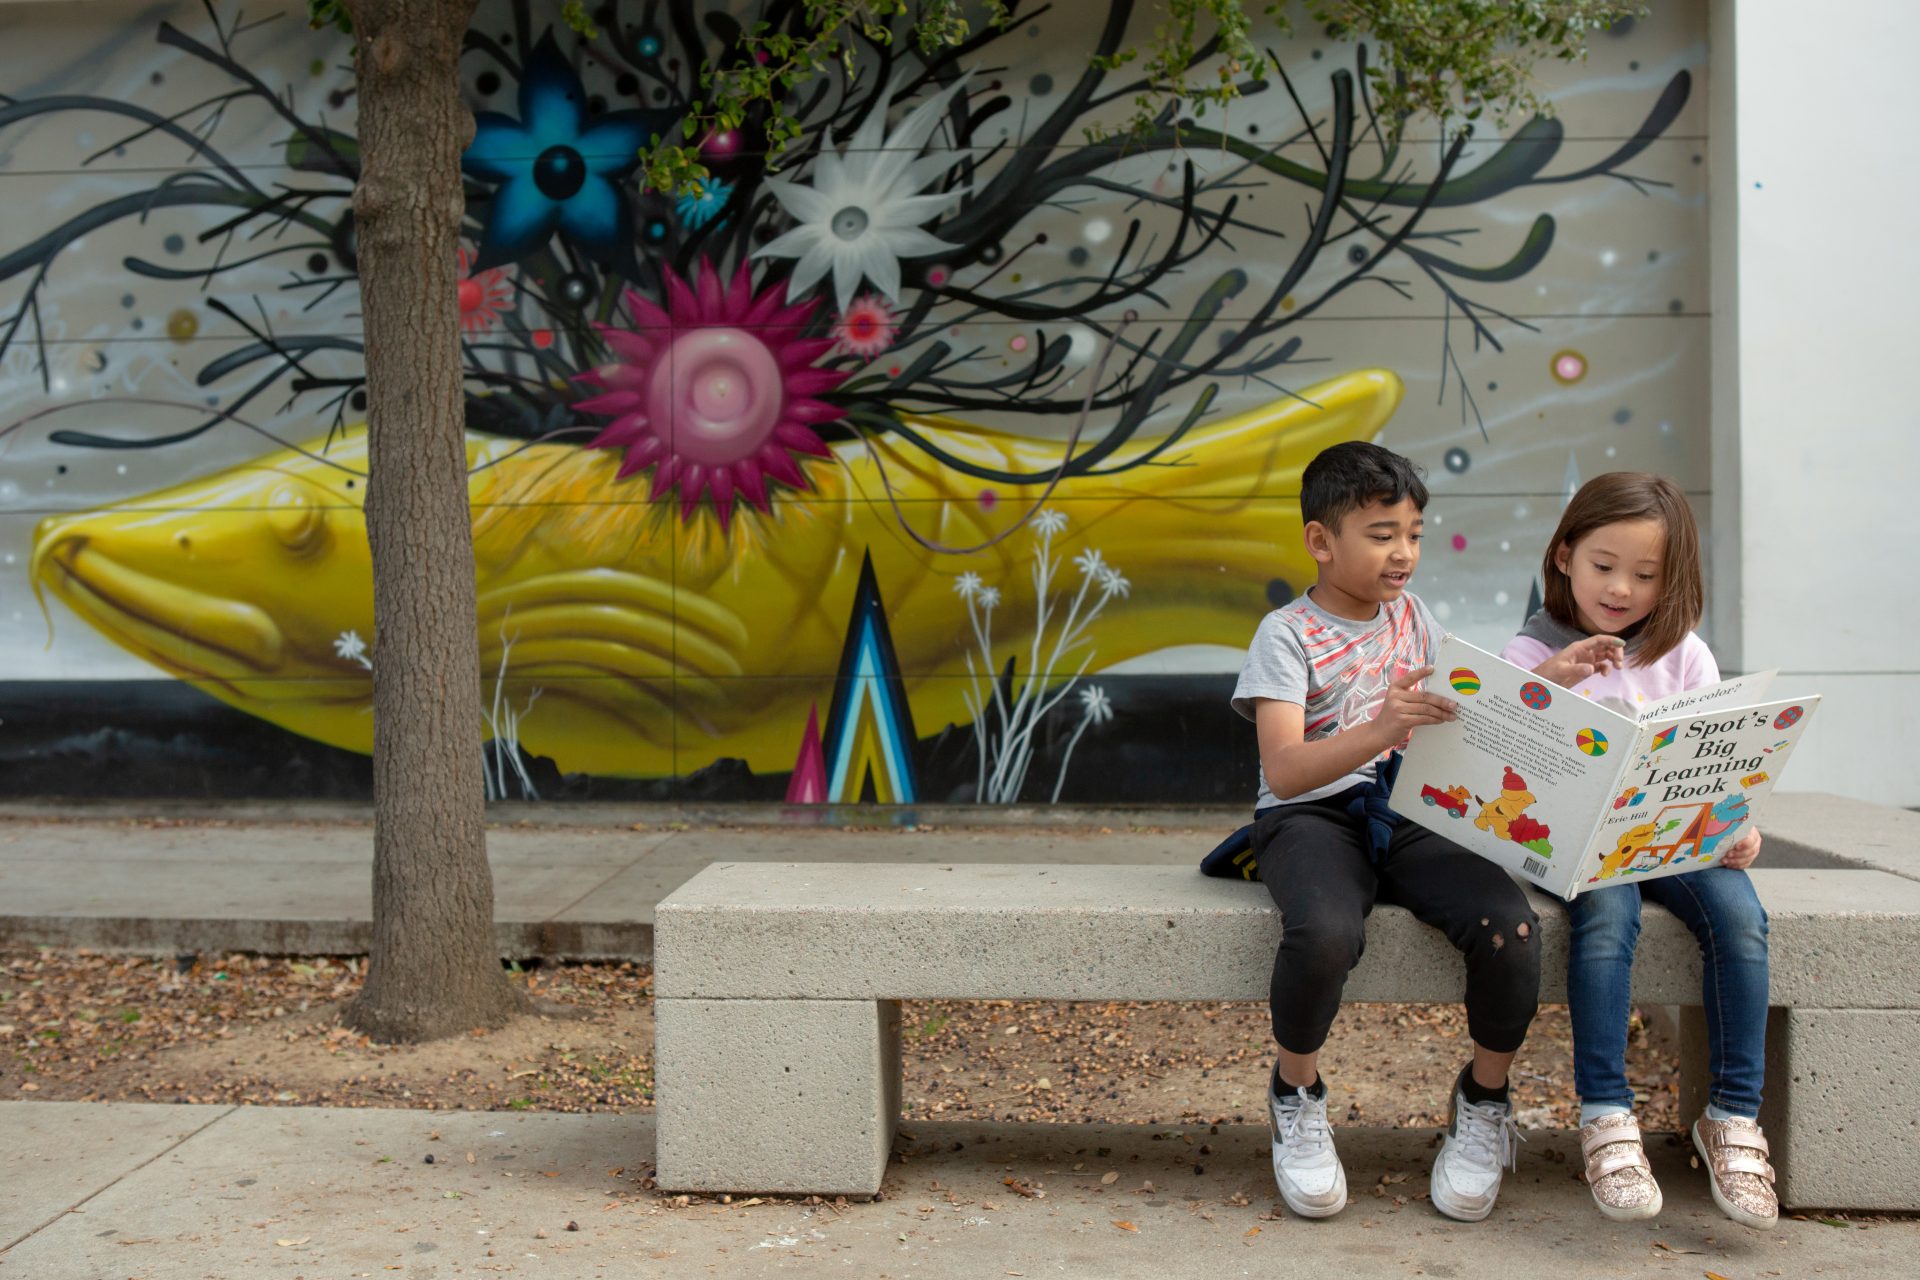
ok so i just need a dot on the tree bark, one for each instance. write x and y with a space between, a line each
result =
434 969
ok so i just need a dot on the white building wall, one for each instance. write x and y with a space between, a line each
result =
1816 424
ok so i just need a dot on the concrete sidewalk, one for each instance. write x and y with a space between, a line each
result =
191 1193
561 892
581 881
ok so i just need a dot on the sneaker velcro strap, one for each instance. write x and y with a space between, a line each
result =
1733 1162
1751 1139
1627 1156
1628 1132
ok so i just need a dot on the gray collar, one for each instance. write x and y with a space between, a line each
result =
1557 635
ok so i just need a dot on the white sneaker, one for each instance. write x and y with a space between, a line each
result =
1305 1165
1479 1144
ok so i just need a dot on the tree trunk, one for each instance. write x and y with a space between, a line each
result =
435 970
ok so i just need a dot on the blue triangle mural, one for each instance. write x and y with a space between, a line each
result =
869 740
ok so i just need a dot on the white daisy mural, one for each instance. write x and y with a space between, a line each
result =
864 211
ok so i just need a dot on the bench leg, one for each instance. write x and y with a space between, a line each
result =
1837 1112
796 1097
1695 1066
1839 1108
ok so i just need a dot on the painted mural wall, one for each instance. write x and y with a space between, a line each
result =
957 460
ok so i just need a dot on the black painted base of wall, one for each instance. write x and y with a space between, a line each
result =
1174 741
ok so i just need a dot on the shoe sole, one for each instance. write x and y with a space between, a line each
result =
1304 1209
1461 1215
1649 1210
1727 1207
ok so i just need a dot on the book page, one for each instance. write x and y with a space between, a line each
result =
1522 775
1694 790
1741 691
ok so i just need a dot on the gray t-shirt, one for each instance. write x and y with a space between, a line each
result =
1336 669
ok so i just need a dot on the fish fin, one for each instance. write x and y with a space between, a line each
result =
609 621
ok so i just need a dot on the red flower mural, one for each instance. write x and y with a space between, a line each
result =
716 392
482 297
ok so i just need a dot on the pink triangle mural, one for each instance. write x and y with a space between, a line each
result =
809 782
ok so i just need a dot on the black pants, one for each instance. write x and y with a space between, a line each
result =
1313 860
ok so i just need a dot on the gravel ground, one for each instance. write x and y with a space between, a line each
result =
81 1026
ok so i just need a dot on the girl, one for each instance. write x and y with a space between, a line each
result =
1623 594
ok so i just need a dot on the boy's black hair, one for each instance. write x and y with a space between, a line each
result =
1348 476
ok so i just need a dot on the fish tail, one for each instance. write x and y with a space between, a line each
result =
1261 452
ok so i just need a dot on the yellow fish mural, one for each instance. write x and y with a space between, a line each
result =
658 645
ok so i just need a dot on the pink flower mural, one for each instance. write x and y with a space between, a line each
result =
716 392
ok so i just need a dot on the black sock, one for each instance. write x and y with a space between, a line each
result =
1475 1092
1281 1089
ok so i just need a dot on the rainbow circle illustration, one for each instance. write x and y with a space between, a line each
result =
1788 718
1591 741
1535 695
1465 681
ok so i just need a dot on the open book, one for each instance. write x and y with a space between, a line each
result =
1573 793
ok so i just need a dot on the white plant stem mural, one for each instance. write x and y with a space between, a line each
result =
1008 711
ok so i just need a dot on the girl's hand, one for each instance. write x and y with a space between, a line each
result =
1596 655
1744 851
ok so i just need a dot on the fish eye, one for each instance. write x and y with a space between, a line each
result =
295 519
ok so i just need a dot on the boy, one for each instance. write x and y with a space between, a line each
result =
1332 684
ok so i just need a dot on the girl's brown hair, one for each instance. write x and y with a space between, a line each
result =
1634 495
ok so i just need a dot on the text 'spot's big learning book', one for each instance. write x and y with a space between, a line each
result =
1574 793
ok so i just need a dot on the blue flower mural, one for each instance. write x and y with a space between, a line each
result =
555 170
699 205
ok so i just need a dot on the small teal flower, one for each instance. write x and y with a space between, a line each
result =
697 206
555 170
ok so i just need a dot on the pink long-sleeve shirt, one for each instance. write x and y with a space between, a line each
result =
1688 666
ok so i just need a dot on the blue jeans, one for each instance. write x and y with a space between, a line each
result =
1723 911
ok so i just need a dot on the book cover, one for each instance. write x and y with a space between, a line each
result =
1571 793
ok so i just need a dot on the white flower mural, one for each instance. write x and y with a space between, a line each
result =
864 211
1009 709
349 647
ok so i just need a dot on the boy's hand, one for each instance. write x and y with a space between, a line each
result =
1407 707
1595 655
1744 851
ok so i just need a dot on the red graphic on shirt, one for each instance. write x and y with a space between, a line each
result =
1354 672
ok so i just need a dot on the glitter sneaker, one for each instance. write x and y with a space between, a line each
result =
1617 1170
1735 1153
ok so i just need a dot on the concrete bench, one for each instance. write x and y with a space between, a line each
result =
777 1054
